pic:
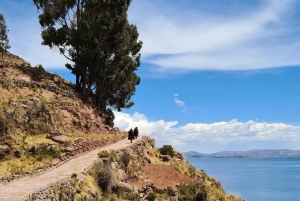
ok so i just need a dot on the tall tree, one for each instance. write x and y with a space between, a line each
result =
97 37
60 21
4 41
116 42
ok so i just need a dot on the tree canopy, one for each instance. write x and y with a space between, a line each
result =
101 44
4 41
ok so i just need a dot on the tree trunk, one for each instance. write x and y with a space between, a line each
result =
77 82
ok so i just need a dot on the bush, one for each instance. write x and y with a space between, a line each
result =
103 154
186 192
201 194
74 175
36 127
105 180
106 154
125 159
167 150
151 197
193 192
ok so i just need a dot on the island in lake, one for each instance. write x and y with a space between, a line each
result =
256 153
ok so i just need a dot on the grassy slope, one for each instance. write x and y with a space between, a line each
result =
33 103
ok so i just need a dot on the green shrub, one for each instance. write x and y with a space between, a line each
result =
151 197
193 192
74 175
105 180
167 150
201 194
36 127
103 154
125 158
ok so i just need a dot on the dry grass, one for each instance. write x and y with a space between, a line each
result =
19 166
38 139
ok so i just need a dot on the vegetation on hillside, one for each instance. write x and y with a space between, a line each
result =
110 178
100 43
35 104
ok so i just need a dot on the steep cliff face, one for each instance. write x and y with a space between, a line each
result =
139 172
43 120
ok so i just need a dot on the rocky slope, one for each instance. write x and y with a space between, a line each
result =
44 121
138 172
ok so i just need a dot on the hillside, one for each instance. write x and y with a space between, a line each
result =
44 121
256 153
48 130
137 172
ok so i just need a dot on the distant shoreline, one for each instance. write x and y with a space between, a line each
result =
256 153
242 157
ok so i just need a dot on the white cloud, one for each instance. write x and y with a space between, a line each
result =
179 102
218 136
178 38
194 39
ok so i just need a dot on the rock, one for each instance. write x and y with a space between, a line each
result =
24 106
61 139
199 180
55 79
121 174
55 162
90 191
78 190
125 186
135 190
69 149
4 149
165 158
81 177
148 159
150 149
10 112
174 198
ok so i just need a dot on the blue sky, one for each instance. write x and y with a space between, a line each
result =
216 75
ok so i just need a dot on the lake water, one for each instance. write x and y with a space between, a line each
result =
256 179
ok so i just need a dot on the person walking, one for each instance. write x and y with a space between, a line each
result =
136 132
130 135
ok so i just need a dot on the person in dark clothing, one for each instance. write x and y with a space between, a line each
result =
130 135
136 132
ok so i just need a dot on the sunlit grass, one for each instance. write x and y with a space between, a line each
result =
38 139
19 166
85 136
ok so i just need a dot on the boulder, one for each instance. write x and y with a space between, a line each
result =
61 139
121 174
125 186
165 158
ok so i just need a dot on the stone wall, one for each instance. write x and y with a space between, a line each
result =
78 147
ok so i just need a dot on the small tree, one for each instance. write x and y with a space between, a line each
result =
4 42
167 150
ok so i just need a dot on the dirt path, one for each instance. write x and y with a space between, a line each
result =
20 189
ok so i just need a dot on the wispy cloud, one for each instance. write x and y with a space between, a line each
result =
180 103
218 136
181 38
262 36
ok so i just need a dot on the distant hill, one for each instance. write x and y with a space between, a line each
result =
256 153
